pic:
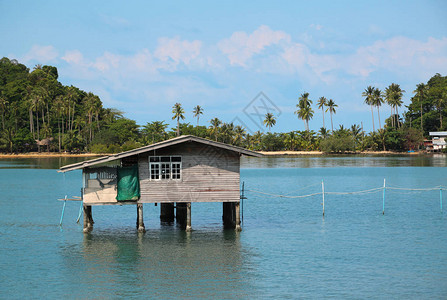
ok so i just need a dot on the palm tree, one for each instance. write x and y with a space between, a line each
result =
420 91
197 112
304 100
59 107
239 134
439 103
305 111
331 108
356 131
378 101
155 129
321 103
227 131
92 103
30 104
178 112
110 115
47 132
269 120
257 139
291 140
8 138
323 132
393 96
71 96
215 123
37 103
381 135
307 114
3 105
369 99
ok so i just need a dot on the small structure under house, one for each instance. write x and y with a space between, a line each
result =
173 173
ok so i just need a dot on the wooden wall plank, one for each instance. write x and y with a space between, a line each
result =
209 174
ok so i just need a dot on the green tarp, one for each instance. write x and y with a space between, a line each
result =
128 184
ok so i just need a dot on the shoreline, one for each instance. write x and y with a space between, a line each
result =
266 153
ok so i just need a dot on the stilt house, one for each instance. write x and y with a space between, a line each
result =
173 173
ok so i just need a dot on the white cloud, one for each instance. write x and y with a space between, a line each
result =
175 51
218 72
400 55
74 57
107 61
115 22
316 26
141 59
241 47
296 55
41 54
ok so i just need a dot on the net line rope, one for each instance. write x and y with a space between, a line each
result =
284 196
369 191
303 188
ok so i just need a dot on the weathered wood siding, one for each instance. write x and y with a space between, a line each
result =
94 193
209 174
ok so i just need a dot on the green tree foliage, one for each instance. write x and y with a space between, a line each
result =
304 111
197 111
427 107
331 108
35 106
178 112
369 100
377 102
393 97
154 132
321 103
269 120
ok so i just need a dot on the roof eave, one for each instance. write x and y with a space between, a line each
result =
156 146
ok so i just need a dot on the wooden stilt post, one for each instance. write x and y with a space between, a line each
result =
224 207
188 216
228 214
167 212
85 219
180 213
88 219
238 216
137 224
141 227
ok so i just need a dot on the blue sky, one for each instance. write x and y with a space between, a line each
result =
141 57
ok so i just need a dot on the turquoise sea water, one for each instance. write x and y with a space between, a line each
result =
286 249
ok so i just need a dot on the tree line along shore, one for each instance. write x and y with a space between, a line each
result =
40 114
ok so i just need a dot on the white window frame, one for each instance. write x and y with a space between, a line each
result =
159 163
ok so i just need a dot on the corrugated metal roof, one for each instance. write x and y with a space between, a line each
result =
156 146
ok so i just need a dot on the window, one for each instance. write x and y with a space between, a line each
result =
165 167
